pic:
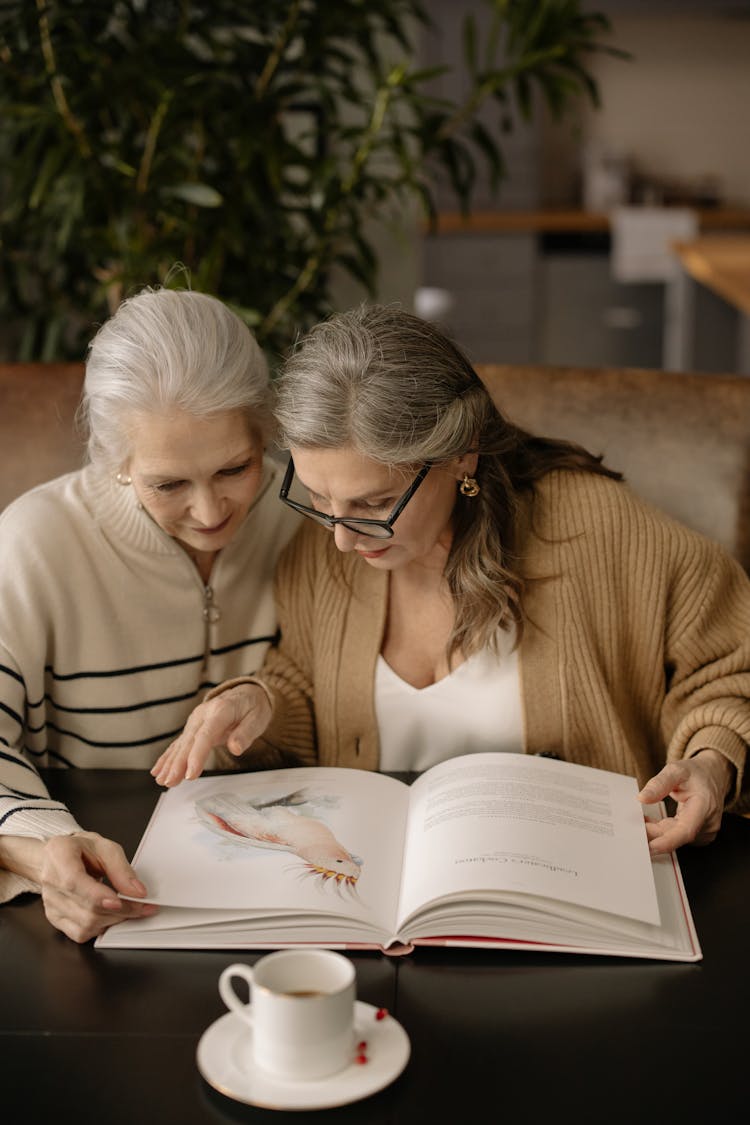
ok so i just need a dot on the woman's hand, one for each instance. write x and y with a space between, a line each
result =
699 785
234 718
81 877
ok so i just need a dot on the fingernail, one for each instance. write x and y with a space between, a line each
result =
137 886
111 904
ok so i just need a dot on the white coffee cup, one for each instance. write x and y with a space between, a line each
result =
301 1011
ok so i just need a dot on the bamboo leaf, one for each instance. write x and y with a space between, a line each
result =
202 195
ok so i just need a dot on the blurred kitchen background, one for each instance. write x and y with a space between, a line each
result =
572 262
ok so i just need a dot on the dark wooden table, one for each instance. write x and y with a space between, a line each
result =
110 1036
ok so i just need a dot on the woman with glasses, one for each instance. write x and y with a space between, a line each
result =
462 585
131 586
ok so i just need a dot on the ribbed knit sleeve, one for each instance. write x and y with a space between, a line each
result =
644 632
707 704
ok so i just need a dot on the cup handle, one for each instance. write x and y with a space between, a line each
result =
229 996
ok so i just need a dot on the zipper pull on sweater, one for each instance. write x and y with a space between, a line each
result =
211 612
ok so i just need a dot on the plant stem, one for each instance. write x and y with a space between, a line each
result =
58 92
364 149
487 88
274 58
151 138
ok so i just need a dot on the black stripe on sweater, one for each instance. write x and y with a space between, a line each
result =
32 808
114 672
16 717
17 761
96 742
11 672
116 710
51 754
243 644
18 794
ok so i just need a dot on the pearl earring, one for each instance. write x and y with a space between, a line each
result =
123 478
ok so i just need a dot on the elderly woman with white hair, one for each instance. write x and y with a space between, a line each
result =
130 587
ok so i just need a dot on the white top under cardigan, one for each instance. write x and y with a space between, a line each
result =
474 709
109 637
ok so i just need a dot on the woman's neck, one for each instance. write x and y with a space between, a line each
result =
204 561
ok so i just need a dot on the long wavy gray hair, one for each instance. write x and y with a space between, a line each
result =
167 349
397 390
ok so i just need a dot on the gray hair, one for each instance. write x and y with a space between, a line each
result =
385 382
167 349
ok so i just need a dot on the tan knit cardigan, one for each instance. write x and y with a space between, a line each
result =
636 646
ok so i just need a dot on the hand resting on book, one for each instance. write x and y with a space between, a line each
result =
80 878
234 718
699 785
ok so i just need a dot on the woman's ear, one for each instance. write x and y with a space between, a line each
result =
465 464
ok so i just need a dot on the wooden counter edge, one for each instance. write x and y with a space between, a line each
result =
549 220
721 263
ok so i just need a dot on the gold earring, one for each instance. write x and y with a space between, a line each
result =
123 478
469 486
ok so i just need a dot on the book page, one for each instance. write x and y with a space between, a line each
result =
535 826
308 841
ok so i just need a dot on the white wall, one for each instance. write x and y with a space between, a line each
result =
680 108
396 243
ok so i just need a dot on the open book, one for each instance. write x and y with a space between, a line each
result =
490 850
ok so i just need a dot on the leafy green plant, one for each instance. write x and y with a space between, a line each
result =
249 140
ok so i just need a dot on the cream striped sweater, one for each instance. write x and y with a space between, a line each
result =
636 647
109 638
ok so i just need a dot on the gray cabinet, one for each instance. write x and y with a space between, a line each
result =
491 282
586 318
516 298
716 333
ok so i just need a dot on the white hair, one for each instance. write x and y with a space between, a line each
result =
169 349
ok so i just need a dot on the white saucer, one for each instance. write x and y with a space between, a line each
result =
224 1060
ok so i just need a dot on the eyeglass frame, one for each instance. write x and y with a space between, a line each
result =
330 522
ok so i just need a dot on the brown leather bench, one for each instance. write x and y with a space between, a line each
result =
38 438
682 440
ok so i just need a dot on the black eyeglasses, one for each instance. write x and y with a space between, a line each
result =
376 529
